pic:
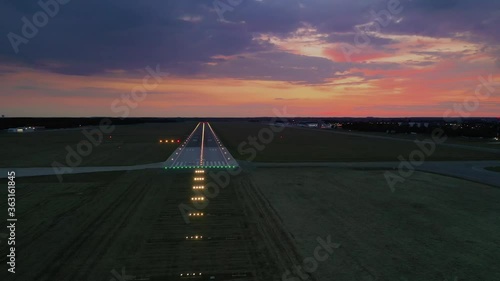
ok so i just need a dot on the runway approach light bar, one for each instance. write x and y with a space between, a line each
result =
196 237
190 274
202 167
170 141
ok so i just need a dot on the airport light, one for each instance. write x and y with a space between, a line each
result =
197 198
195 214
198 187
192 274
199 179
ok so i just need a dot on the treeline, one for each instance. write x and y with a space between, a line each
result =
467 129
60 123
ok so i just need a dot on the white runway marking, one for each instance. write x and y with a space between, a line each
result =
202 149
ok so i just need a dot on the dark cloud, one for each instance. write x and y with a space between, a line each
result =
91 37
280 66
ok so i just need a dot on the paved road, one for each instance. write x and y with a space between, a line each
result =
469 170
202 149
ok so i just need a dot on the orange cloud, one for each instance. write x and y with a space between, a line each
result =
338 55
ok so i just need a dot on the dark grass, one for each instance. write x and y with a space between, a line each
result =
494 169
301 145
126 145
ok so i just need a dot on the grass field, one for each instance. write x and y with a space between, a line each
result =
299 145
494 169
126 145
92 224
436 228
474 142
139 144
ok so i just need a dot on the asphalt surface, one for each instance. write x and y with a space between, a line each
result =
202 149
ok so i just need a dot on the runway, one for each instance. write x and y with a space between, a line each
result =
202 149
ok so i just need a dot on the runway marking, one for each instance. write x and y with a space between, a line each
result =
202 144
186 142
187 157
215 137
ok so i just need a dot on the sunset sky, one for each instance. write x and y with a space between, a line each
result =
245 57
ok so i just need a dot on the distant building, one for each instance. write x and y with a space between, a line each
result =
279 124
326 126
24 129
